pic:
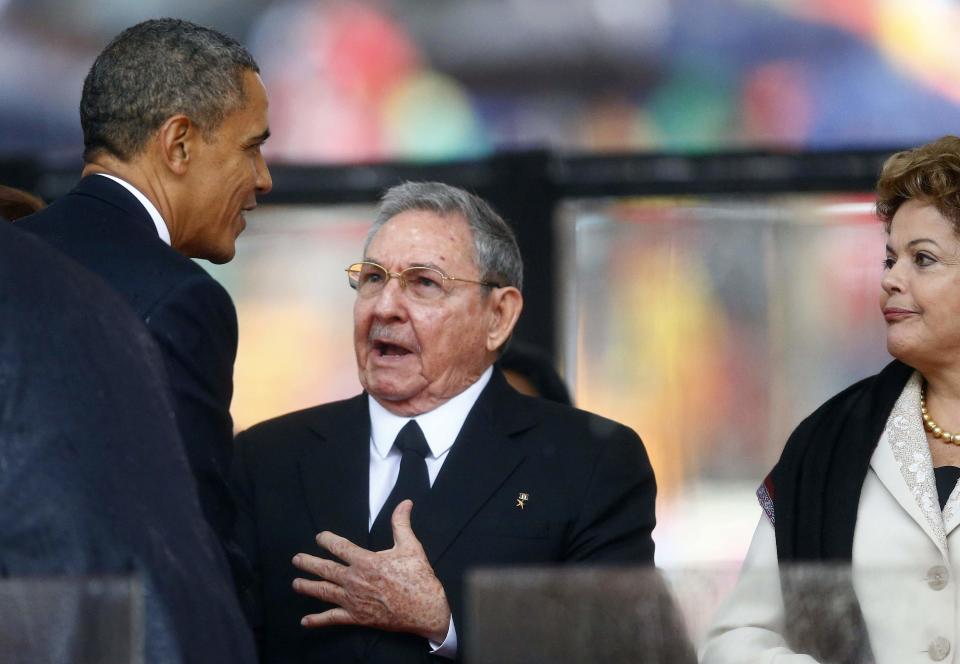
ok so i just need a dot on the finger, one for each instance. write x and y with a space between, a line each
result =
403 534
341 547
322 590
326 569
336 616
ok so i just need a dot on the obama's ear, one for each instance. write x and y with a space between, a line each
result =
175 142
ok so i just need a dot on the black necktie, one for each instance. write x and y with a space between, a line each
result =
413 483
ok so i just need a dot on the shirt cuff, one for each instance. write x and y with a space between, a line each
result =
448 648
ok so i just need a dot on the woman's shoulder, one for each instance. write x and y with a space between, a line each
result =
870 398
843 431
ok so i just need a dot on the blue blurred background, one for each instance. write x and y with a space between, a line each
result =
360 80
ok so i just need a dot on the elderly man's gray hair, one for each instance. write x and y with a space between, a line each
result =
152 71
495 249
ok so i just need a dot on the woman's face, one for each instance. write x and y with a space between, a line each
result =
921 288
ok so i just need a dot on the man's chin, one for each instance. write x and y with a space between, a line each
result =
398 399
390 395
221 255
217 254
221 259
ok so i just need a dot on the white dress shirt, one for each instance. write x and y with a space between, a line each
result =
440 427
152 210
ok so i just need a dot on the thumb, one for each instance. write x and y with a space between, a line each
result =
400 522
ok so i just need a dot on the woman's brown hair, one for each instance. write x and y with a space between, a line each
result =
929 174
16 203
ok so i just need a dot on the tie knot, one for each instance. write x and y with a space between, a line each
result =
410 439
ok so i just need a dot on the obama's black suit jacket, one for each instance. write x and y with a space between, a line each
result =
590 493
102 226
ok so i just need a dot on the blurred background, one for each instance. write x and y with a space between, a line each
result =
690 182
361 80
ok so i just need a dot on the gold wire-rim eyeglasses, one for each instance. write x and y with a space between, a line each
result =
422 290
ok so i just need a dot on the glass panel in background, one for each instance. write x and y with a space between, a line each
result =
712 326
567 615
81 620
295 308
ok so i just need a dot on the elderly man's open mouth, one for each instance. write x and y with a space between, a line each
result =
390 349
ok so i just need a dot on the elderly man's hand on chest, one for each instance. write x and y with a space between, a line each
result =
394 590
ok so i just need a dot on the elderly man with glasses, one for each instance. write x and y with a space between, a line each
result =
438 467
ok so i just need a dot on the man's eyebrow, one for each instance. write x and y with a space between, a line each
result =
259 138
370 259
430 265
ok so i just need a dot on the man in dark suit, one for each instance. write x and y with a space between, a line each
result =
93 480
173 116
495 477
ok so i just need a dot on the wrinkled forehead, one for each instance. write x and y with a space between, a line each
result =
422 237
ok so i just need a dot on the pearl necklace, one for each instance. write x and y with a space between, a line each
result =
932 426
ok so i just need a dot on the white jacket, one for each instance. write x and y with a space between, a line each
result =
906 555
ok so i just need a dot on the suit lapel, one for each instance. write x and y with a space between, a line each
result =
951 511
884 464
903 465
335 471
481 459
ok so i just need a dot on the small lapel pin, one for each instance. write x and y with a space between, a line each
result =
522 499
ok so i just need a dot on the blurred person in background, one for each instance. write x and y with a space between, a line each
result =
495 477
530 371
870 478
16 203
93 479
174 115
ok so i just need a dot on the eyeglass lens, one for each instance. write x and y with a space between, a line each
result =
421 282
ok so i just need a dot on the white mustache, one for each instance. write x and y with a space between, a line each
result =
389 334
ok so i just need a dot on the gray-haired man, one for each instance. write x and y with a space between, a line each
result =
495 477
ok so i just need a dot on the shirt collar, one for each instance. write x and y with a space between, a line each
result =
152 210
440 426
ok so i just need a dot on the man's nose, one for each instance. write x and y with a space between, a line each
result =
264 182
389 302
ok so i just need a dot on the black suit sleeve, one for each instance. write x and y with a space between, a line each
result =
616 521
196 327
251 594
